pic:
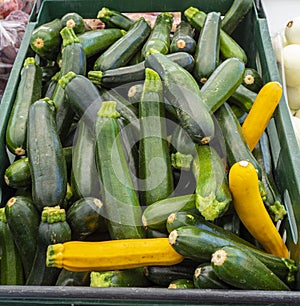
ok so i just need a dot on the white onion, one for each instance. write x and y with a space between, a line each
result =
292 31
291 58
293 95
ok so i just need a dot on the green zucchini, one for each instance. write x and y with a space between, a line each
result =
252 79
17 174
123 210
23 221
163 275
52 85
213 196
45 40
29 89
236 146
120 52
235 14
96 41
156 214
228 46
75 21
69 278
181 284
199 245
84 182
243 97
206 278
244 270
155 173
134 93
273 201
133 73
53 229
159 38
226 78
11 264
182 91
183 39
114 19
119 278
207 48
46 158
85 216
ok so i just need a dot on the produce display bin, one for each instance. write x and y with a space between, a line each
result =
253 35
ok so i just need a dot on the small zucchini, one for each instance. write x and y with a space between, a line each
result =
213 196
243 270
243 98
114 19
23 221
206 278
156 214
181 284
29 90
235 14
46 158
120 199
183 92
252 79
155 173
53 228
80 256
120 52
159 38
11 263
86 216
222 83
133 73
75 21
119 278
163 275
96 41
199 245
207 48
183 38
45 40
244 186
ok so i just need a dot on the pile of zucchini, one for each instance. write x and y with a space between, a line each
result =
128 132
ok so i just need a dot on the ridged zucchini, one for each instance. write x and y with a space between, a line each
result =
29 90
182 91
46 158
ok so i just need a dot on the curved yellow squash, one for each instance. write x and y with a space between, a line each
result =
243 184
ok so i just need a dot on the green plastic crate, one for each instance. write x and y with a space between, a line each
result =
253 35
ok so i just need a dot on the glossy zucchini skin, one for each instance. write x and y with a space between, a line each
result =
156 214
213 196
159 38
207 48
182 91
45 40
243 97
75 21
114 19
206 278
183 39
123 210
236 147
84 182
23 221
46 157
53 229
29 90
199 244
134 73
85 216
252 79
11 264
155 184
181 283
120 52
243 270
226 78
96 41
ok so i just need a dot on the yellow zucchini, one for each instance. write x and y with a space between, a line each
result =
261 112
80 256
243 184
